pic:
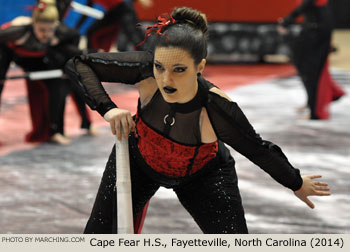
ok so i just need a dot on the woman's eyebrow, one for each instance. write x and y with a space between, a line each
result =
175 65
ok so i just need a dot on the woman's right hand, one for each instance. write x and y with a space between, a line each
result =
120 118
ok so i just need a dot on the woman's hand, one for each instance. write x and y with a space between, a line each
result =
312 187
120 118
281 30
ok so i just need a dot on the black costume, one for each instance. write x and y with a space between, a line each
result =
310 52
166 147
119 17
63 7
33 55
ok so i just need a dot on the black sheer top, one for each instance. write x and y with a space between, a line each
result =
179 122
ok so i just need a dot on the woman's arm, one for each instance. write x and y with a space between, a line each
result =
232 127
304 6
88 71
12 33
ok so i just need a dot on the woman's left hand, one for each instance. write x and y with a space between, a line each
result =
312 187
281 30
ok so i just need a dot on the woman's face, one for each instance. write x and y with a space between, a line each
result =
176 74
44 31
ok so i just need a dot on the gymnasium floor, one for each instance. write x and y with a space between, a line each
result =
50 189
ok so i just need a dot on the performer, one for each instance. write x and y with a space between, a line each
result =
120 15
63 7
35 44
177 137
310 52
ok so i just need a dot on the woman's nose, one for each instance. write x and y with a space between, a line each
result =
167 77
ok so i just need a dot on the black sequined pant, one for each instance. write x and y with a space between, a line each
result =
211 195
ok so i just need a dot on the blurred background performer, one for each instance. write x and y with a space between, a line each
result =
309 55
63 7
120 16
36 44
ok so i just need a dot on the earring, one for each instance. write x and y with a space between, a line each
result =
199 74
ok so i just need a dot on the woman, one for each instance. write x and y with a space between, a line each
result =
36 44
177 137
310 52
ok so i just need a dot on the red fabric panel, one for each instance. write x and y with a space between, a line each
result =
321 2
105 37
5 25
170 158
108 3
317 2
19 50
38 99
24 52
140 219
328 91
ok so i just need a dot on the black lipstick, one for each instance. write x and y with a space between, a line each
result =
169 90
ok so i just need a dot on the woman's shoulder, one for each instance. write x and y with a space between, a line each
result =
21 21
212 89
15 31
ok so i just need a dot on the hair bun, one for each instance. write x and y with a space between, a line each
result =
48 2
191 16
45 10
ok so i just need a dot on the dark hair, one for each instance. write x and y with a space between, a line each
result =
189 32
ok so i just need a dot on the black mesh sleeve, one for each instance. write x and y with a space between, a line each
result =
288 20
232 127
88 71
124 67
12 33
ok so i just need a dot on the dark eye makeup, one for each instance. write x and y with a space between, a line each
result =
176 69
180 69
158 67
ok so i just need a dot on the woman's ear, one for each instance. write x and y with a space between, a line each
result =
201 66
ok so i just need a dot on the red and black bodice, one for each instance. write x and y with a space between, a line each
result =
169 138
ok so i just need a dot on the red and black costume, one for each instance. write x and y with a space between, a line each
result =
119 17
46 97
166 148
310 52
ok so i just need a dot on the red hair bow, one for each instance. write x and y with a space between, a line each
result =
162 21
40 6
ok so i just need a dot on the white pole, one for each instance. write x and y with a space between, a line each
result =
123 184
39 75
42 75
87 11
